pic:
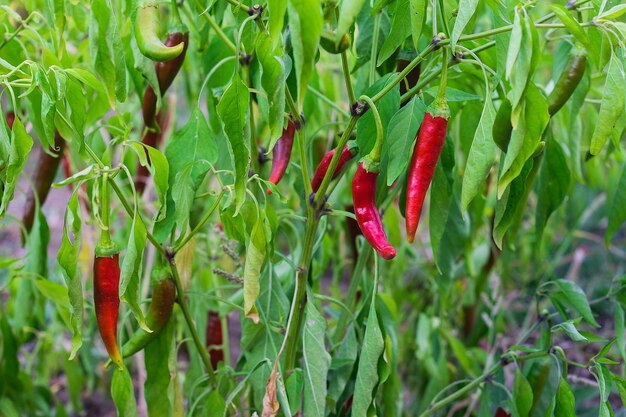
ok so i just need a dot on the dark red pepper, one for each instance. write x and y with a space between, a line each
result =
428 146
501 413
10 119
346 155
366 212
282 153
166 72
106 281
215 338
46 167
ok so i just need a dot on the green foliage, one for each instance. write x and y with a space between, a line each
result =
511 301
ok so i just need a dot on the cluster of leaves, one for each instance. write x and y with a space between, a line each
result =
511 298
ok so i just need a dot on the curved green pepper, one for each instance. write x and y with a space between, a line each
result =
146 28
159 313
568 81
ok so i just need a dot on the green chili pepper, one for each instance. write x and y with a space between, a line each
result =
159 312
146 27
568 81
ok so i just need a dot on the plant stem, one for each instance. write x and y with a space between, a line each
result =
240 6
299 298
328 101
404 72
105 209
220 33
129 210
304 165
319 195
374 52
206 217
204 355
476 383
346 76
254 149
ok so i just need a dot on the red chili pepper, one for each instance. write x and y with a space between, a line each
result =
106 281
501 413
43 176
428 146
215 338
282 154
364 199
166 72
10 119
346 155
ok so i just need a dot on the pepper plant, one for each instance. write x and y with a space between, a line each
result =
310 207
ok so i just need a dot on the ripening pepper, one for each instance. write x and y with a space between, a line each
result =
166 73
146 26
282 153
366 212
568 81
159 312
348 152
106 281
215 338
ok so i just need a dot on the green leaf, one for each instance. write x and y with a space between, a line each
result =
56 293
565 402
158 356
255 257
123 394
612 105
614 12
617 209
523 394
316 362
417 10
620 334
512 202
347 15
19 148
106 50
341 366
305 25
293 387
530 121
367 373
570 329
481 156
387 107
403 128
571 24
467 8
604 381
215 405
130 279
188 153
277 9
68 260
574 297
233 110
621 388
554 181
158 167
400 29
273 81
